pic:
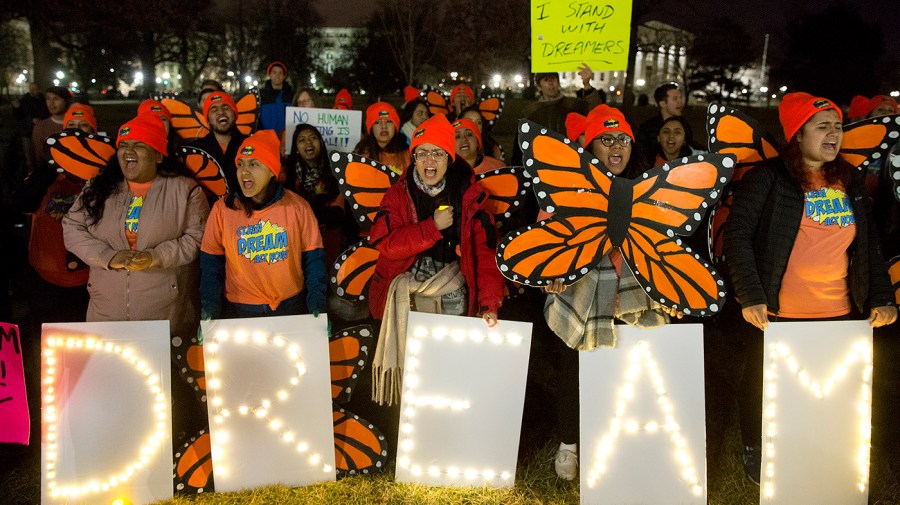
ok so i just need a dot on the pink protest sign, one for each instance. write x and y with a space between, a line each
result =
15 425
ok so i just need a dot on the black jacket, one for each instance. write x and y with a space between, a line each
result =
225 159
763 225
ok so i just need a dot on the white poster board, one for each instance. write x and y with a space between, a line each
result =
106 415
643 428
341 129
270 414
463 394
817 406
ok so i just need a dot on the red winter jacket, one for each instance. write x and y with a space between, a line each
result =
400 237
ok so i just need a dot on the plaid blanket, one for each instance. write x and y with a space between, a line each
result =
583 315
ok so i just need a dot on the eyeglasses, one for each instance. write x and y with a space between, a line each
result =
435 155
608 140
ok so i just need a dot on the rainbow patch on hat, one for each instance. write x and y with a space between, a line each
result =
124 131
247 150
77 113
156 108
419 133
384 114
215 98
611 124
457 124
821 104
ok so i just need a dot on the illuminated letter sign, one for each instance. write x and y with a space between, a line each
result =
463 392
816 413
270 411
106 416
642 418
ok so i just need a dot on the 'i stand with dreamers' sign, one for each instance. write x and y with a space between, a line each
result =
565 33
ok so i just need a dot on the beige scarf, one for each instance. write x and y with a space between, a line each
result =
387 364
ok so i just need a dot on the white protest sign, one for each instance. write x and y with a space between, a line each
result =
643 429
106 413
463 393
341 129
269 386
817 406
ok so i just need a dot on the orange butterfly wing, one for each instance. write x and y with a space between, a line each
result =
507 189
186 120
491 108
894 272
437 103
870 140
247 112
569 244
733 132
668 202
187 354
81 154
352 271
193 465
359 447
363 183
206 170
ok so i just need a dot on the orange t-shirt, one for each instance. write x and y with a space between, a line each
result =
133 216
263 251
815 281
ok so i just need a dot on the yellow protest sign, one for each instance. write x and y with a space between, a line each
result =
565 33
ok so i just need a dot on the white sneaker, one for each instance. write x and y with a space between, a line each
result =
566 464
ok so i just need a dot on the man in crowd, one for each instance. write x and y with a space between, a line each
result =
670 100
30 109
58 100
224 139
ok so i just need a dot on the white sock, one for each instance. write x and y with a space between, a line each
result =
569 447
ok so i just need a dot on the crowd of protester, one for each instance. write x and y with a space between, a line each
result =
142 241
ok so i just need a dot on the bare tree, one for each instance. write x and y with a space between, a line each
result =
413 25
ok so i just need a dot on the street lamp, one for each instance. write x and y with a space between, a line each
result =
60 74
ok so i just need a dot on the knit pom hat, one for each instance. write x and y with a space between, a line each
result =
576 124
276 64
438 131
859 107
603 119
146 128
796 109
218 97
877 100
80 111
343 100
156 107
264 146
462 88
468 124
381 110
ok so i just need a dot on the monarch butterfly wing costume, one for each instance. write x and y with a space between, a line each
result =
363 183
594 211
186 120
247 117
81 154
491 107
193 470
507 189
666 203
205 168
437 102
870 141
187 354
572 242
894 271
733 132
359 447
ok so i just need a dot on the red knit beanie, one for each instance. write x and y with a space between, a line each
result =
796 109
276 64
218 97
576 124
438 131
603 119
264 146
381 110
462 88
409 94
859 107
468 124
80 111
156 107
146 128
882 99
343 100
